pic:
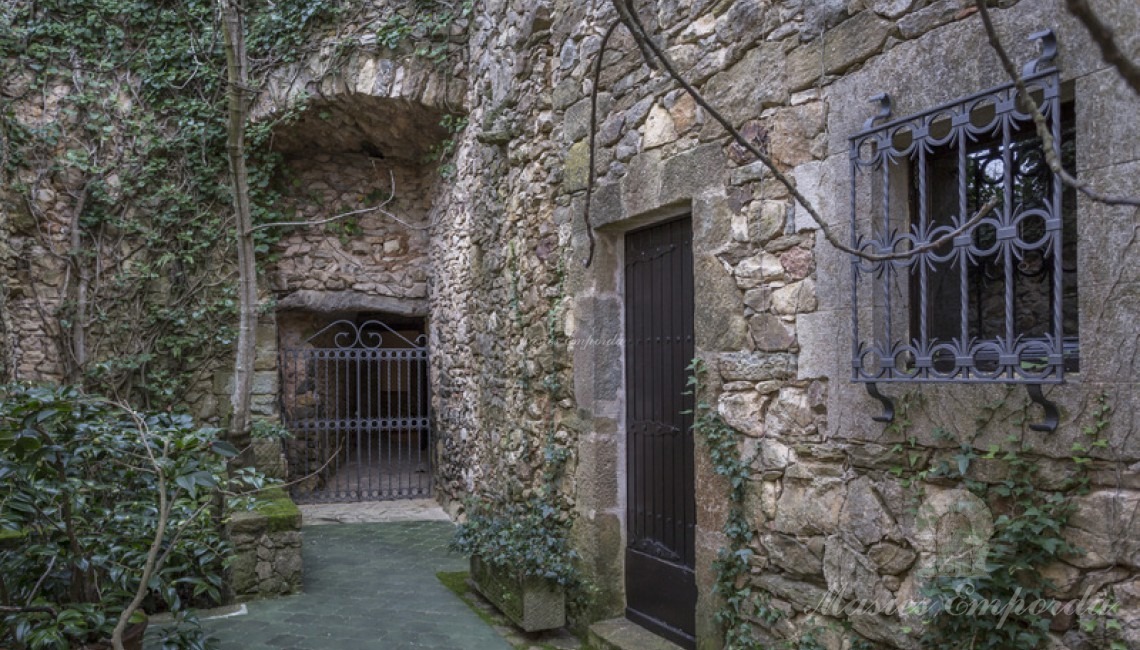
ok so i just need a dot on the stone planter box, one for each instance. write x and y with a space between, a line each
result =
267 548
532 603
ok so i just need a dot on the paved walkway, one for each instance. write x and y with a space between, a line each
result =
367 586
318 514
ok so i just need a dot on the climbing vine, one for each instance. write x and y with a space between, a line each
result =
112 119
525 526
1027 537
429 24
741 602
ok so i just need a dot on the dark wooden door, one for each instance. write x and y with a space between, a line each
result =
661 591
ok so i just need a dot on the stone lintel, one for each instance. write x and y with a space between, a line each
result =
327 302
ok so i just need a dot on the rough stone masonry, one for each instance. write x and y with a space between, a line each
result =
499 272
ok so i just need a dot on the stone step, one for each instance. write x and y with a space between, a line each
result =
623 634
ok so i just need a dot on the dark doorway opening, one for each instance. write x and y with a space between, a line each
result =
355 397
661 591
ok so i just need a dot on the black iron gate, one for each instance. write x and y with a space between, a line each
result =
661 592
355 398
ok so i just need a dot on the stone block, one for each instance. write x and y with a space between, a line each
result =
891 559
791 555
641 186
795 298
575 168
1106 527
790 413
853 41
756 366
930 17
795 134
850 574
771 333
719 323
743 412
803 596
824 344
810 507
1106 128
576 124
712 221
754 83
606 207
864 516
688 174
597 477
658 129
533 604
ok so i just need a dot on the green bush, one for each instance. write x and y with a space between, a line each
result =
88 484
528 537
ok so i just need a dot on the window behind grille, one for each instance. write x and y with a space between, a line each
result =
997 302
1032 274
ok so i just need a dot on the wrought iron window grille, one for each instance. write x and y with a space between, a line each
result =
996 304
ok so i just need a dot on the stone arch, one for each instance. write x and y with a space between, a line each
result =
374 104
358 136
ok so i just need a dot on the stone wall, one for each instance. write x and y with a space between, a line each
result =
526 339
267 549
773 313
36 233
375 252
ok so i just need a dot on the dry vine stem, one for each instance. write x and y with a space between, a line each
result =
376 208
1103 37
627 15
1047 143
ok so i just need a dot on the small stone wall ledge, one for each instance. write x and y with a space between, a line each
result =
267 549
327 302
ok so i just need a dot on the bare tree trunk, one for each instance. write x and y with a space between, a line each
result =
237 78
7 367
83 282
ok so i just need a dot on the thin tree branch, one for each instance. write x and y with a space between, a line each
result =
1042 127
15 609
40 583
151 564
375 208
1103 37
637 30
591 179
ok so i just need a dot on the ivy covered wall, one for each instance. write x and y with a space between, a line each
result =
493 99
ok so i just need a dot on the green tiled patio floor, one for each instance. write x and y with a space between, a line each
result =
367 586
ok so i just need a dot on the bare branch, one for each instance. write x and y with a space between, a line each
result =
1103 37
151 564
637 30
592 174
31 609
343 215
40 583
1042 127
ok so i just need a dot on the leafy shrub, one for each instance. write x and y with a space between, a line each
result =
96 493
529 537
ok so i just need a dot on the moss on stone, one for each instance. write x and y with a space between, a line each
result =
273 511
276 506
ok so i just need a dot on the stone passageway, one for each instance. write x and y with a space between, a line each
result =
367 586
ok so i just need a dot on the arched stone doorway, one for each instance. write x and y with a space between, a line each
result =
349 281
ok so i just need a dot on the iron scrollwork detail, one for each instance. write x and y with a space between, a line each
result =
961 312
369 335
